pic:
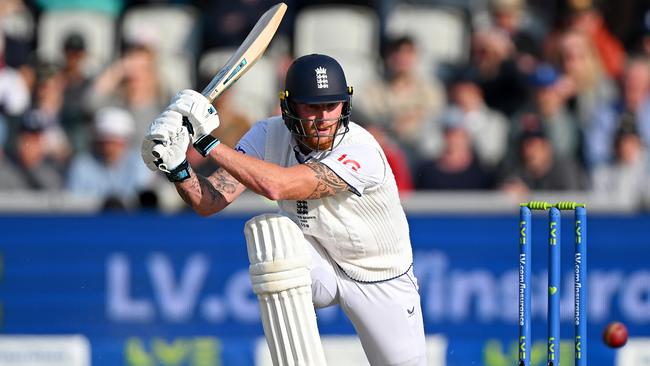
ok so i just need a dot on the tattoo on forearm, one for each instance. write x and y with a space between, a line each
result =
186 192
211 189
222 181
328 183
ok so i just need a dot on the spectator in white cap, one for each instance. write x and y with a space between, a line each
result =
112 171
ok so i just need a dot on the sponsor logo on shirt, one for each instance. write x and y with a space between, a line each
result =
353 164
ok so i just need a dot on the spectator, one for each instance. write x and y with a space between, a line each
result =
132 82
395 157
635 102
587 19
112 170
511 16
502 83
46 107
458 167
549 107
585 84
626 178
487 128
227 23
9 175
17 24
404 102
14 91
74 114
538 167
34 169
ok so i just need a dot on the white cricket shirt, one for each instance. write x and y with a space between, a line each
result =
364 230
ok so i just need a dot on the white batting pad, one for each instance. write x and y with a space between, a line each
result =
280 276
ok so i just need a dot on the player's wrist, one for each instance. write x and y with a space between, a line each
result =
204 144
180 173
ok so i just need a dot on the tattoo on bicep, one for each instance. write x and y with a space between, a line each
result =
328 183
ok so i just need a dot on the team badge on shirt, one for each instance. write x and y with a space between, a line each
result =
302 214
302 208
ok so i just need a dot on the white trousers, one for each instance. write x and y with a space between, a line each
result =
387 315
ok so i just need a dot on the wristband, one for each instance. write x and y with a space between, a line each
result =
180 173
206 143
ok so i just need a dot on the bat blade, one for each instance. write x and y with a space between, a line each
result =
248 52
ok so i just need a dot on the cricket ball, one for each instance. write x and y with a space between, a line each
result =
615 335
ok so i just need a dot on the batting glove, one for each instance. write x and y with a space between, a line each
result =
165 145
200 116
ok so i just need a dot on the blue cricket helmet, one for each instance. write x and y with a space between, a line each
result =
315 79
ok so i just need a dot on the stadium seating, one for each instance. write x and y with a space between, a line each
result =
97 28
439 32
357 25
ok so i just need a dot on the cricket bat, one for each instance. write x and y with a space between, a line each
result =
248 52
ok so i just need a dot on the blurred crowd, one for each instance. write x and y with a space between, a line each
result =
551 95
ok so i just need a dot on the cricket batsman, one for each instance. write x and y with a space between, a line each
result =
340 236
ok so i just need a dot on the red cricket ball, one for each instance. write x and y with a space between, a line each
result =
615 334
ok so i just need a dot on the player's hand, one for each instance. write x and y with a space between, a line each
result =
165 145
202 118
165 125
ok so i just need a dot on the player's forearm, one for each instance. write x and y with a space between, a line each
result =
201 195
269 180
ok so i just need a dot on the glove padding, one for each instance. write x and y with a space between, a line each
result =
202 118
165 145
